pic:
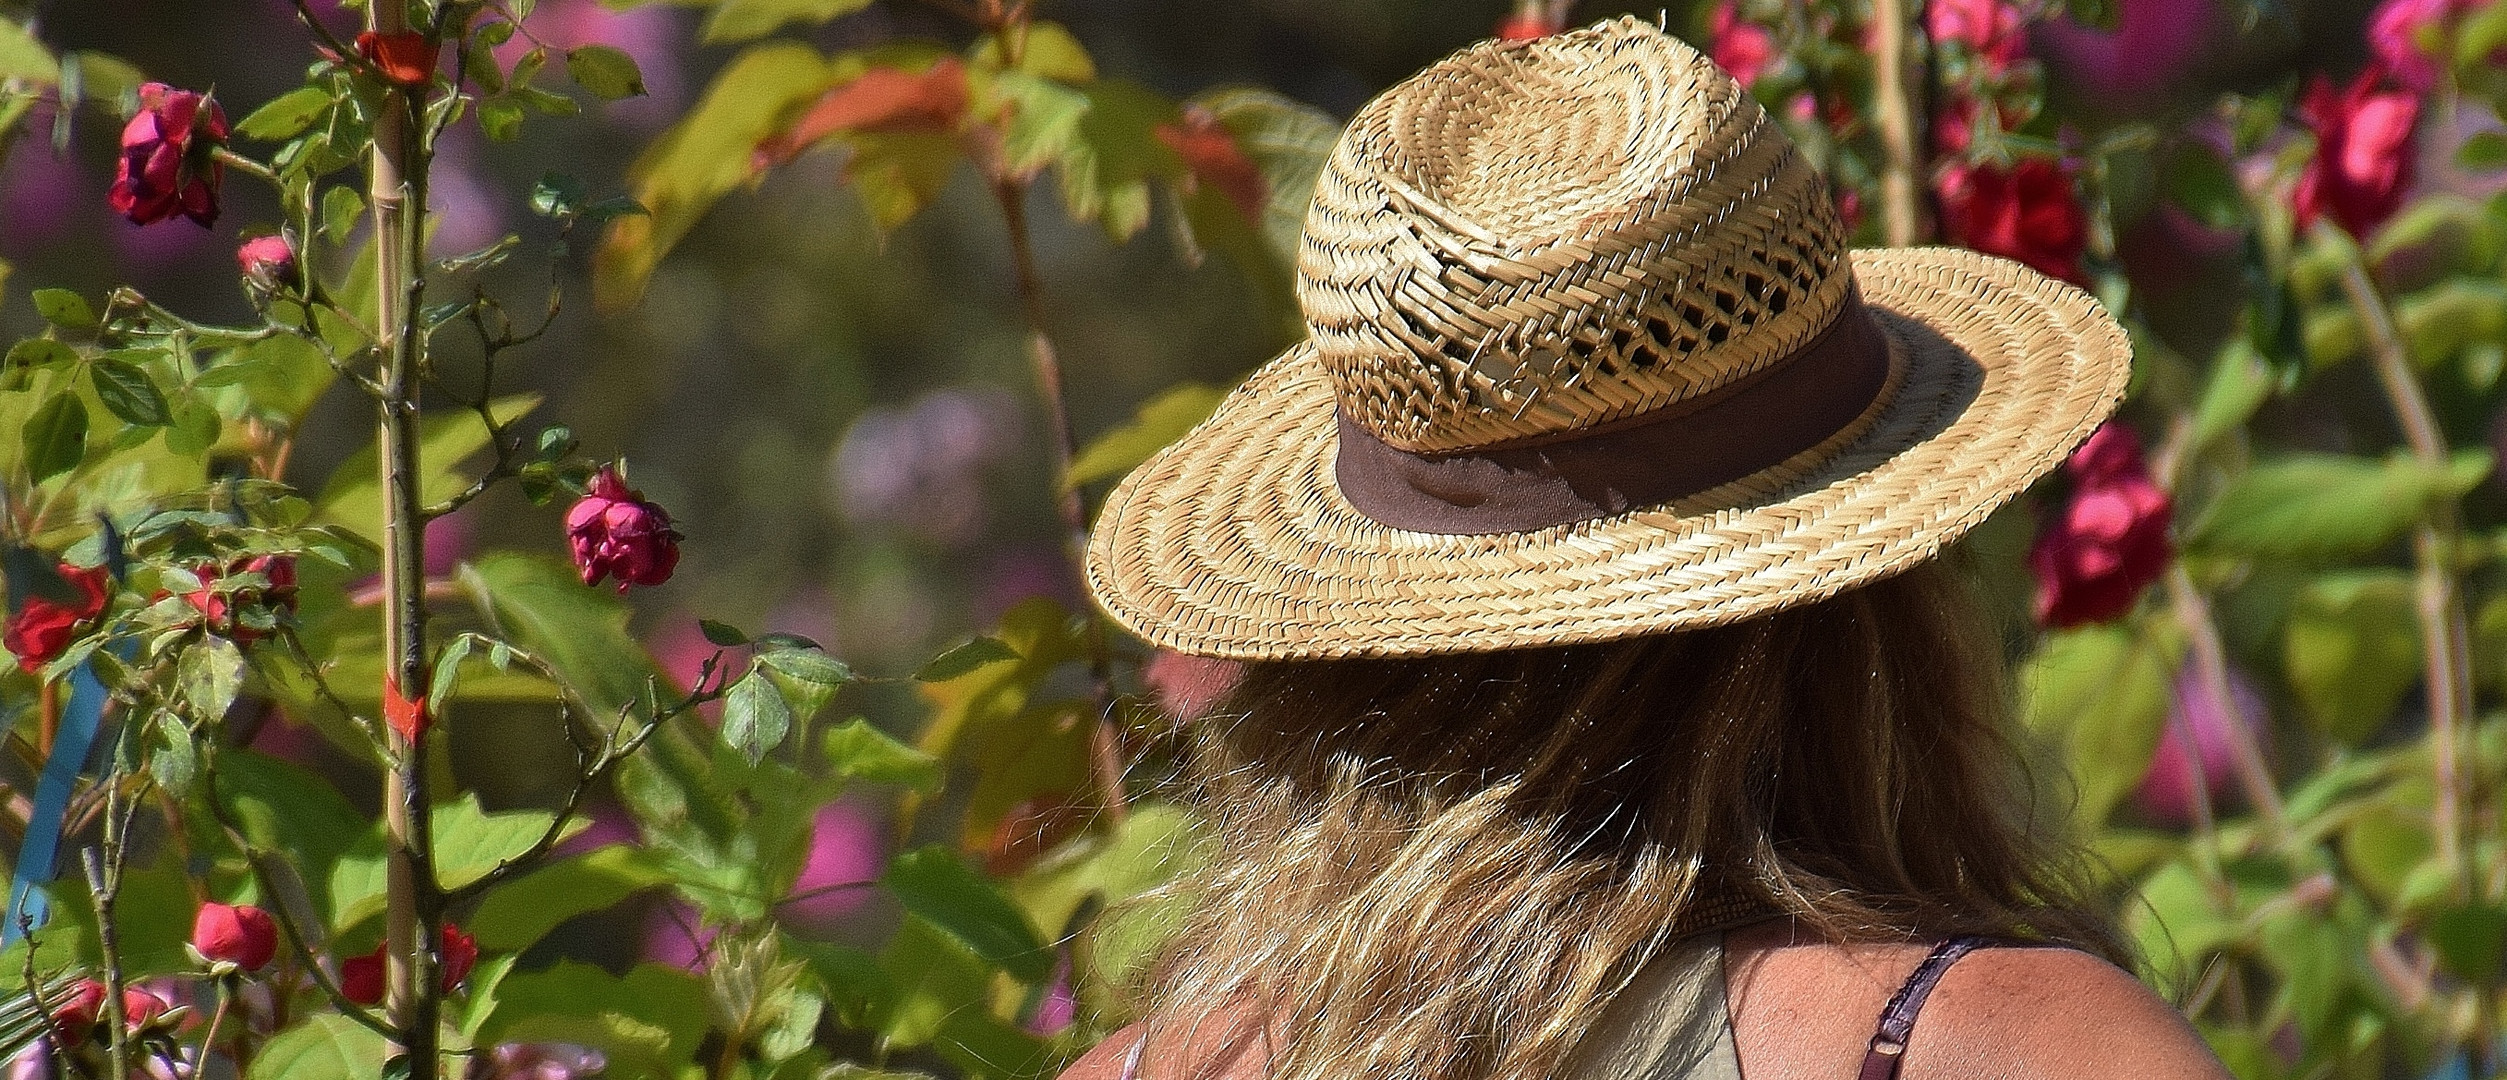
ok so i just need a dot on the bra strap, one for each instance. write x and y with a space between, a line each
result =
1897 1022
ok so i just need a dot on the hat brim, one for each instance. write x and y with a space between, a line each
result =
1236 541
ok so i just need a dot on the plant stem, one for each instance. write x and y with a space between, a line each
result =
2254 774
1105 744
1901 202
2445 632
103 886
397 191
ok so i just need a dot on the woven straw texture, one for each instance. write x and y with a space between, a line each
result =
1534 239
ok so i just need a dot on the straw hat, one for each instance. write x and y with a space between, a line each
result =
1589 359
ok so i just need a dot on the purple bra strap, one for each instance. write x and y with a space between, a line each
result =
1897 1022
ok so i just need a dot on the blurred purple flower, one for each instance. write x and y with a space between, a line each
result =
605 824
845 851
675 935
34 1062
469 210
919 468
1060 1005
538 1061
2153 43
652 35
1024 573
41 195
2167 790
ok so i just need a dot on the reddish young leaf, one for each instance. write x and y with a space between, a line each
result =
407 59
883 101
1212 157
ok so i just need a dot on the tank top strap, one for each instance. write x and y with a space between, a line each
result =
1897 1019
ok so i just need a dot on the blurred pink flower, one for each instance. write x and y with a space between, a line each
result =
2095 553
2407 38
2166 791
1992 28
539 1061
469 209
675 935
2363 163
41 195
1060 1006
846 851
2154 42
1187 686
1745 49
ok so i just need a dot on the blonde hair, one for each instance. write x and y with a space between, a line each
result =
1442 869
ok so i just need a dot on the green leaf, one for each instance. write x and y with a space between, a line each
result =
342 208
64 309
2470 941
2102 694
501 118
2382 846
469 842
744 20
556 194
542 606
807 665
194 429
326 1046
1047 50
2322 506
929 976
932 884
519 913
23 57
128 392
2483 151
41 353
965 658
291 811
2199 181
286 116
707 155
1162 421
649 1023
2352 650
55 438
210 675
1289 141
1154 845
722 634
605 71
2240 383
856 750
755 716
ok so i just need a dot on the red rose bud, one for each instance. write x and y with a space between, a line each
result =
268 264
218 607
141 1008
75 1013
2364 150
43 628
406 59
1211 156
460 954
2098 551
242 935
169 160
361 978
615 533
1744 49
2026 213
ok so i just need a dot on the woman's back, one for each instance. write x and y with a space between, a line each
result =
1771 1002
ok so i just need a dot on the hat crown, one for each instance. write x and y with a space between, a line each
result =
1531 239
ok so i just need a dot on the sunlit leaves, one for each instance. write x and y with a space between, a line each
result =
23 57
856 750
285 116
743 20
2352 651
1162 420
937 887
2101 694
55 438
2325 505
605 71
65 309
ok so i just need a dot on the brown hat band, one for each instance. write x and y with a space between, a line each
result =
1821 392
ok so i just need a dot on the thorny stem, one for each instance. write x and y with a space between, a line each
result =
35 992
2445 633
104 886
1105 744
397 190
1901 205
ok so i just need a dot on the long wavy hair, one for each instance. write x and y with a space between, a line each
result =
1442 869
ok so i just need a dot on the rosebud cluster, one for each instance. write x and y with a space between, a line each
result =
224 611
615 533
74 1014
2109 541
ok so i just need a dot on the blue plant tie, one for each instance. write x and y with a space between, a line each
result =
72 742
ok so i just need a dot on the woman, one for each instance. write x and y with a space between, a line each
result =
1606 717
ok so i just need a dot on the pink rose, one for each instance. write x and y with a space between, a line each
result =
614 532
1745 49
2364 149
169 160
2096 553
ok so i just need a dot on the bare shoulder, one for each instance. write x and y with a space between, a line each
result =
2052 1014
1107 1059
